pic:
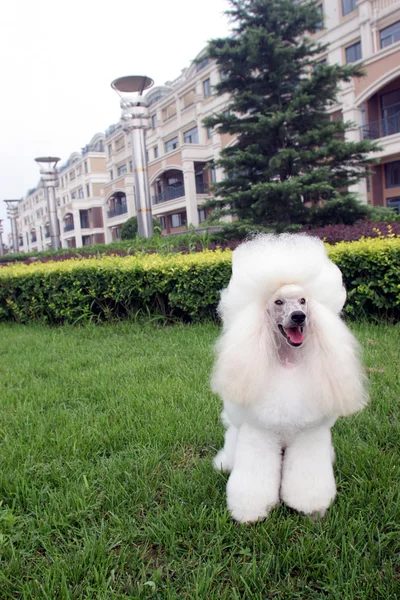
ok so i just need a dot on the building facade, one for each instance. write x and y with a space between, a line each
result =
369 31
96 193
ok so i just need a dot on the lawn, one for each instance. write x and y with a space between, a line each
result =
107 489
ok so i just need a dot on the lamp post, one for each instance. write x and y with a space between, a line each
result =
49 180
12 213
135 120
1 239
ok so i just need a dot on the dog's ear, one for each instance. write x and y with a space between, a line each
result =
246 354
334 362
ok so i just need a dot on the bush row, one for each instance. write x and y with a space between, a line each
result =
178 286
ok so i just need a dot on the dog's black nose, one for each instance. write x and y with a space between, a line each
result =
298 317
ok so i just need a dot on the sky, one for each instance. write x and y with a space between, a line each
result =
57 60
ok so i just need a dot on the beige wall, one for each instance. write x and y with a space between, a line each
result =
97 165
375 71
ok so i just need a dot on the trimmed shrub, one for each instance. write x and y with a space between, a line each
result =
177 286
346 211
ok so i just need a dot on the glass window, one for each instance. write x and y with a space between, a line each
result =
202 215
155 151
111 174
392 174
319 64
163 223
206 88
348 6
223 75
88 190
191 136
121 170
394 203
153 121
353 52
391 112
320 9
109 149
202 65
80 193
130 166
169 111
171 144
86 167
390 34
209 133
178 219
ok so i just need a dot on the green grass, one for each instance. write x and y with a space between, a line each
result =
107 488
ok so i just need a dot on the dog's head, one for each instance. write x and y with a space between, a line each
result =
288 311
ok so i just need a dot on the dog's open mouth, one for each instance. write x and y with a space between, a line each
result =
293 335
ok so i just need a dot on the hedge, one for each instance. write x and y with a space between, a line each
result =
178 286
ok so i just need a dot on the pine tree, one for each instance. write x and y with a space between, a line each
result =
288 150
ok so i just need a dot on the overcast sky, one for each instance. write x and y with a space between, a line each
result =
59 58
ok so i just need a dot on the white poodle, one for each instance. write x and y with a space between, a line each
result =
287 367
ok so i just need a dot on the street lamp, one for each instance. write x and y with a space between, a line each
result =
1 239
49 180
12 214
135 120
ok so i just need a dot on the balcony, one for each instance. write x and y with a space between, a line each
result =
379 129
202 188
169 193
117 210
69 227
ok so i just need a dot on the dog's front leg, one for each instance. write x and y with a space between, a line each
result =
308 483
253 486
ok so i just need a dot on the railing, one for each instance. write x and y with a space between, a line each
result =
68 227
169 193
378 129
201 187
382 4
118 210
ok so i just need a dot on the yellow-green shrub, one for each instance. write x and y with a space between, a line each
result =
177 286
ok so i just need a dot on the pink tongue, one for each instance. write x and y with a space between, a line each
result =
295 335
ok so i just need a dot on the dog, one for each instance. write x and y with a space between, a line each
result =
286 368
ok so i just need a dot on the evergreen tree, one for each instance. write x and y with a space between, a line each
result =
288 150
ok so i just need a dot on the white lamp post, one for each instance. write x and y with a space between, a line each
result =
135 119
49 180
1 239
12 214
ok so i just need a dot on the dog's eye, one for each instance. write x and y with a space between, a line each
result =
279 302
303 301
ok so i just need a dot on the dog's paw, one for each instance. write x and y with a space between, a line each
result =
222 462
248 500
309 497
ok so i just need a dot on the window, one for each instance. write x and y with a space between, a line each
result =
320 9
153 121
213 175
80 193
119 144
88 190
202 65
86 166
189 98
394 203
390 35
130 166
178 219
155 151
202 215
163 222
353 52
78 171
86 240
391 112
169 111
74 196
111 174
109 149
348 6
209 133
206 88
121 170
319 64
223 75
392 174
171 144
72 175
191 136
84 218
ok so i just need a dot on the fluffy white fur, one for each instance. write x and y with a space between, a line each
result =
280 402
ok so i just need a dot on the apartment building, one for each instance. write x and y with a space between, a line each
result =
79 196
369 31
180 153
96 194
33 222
